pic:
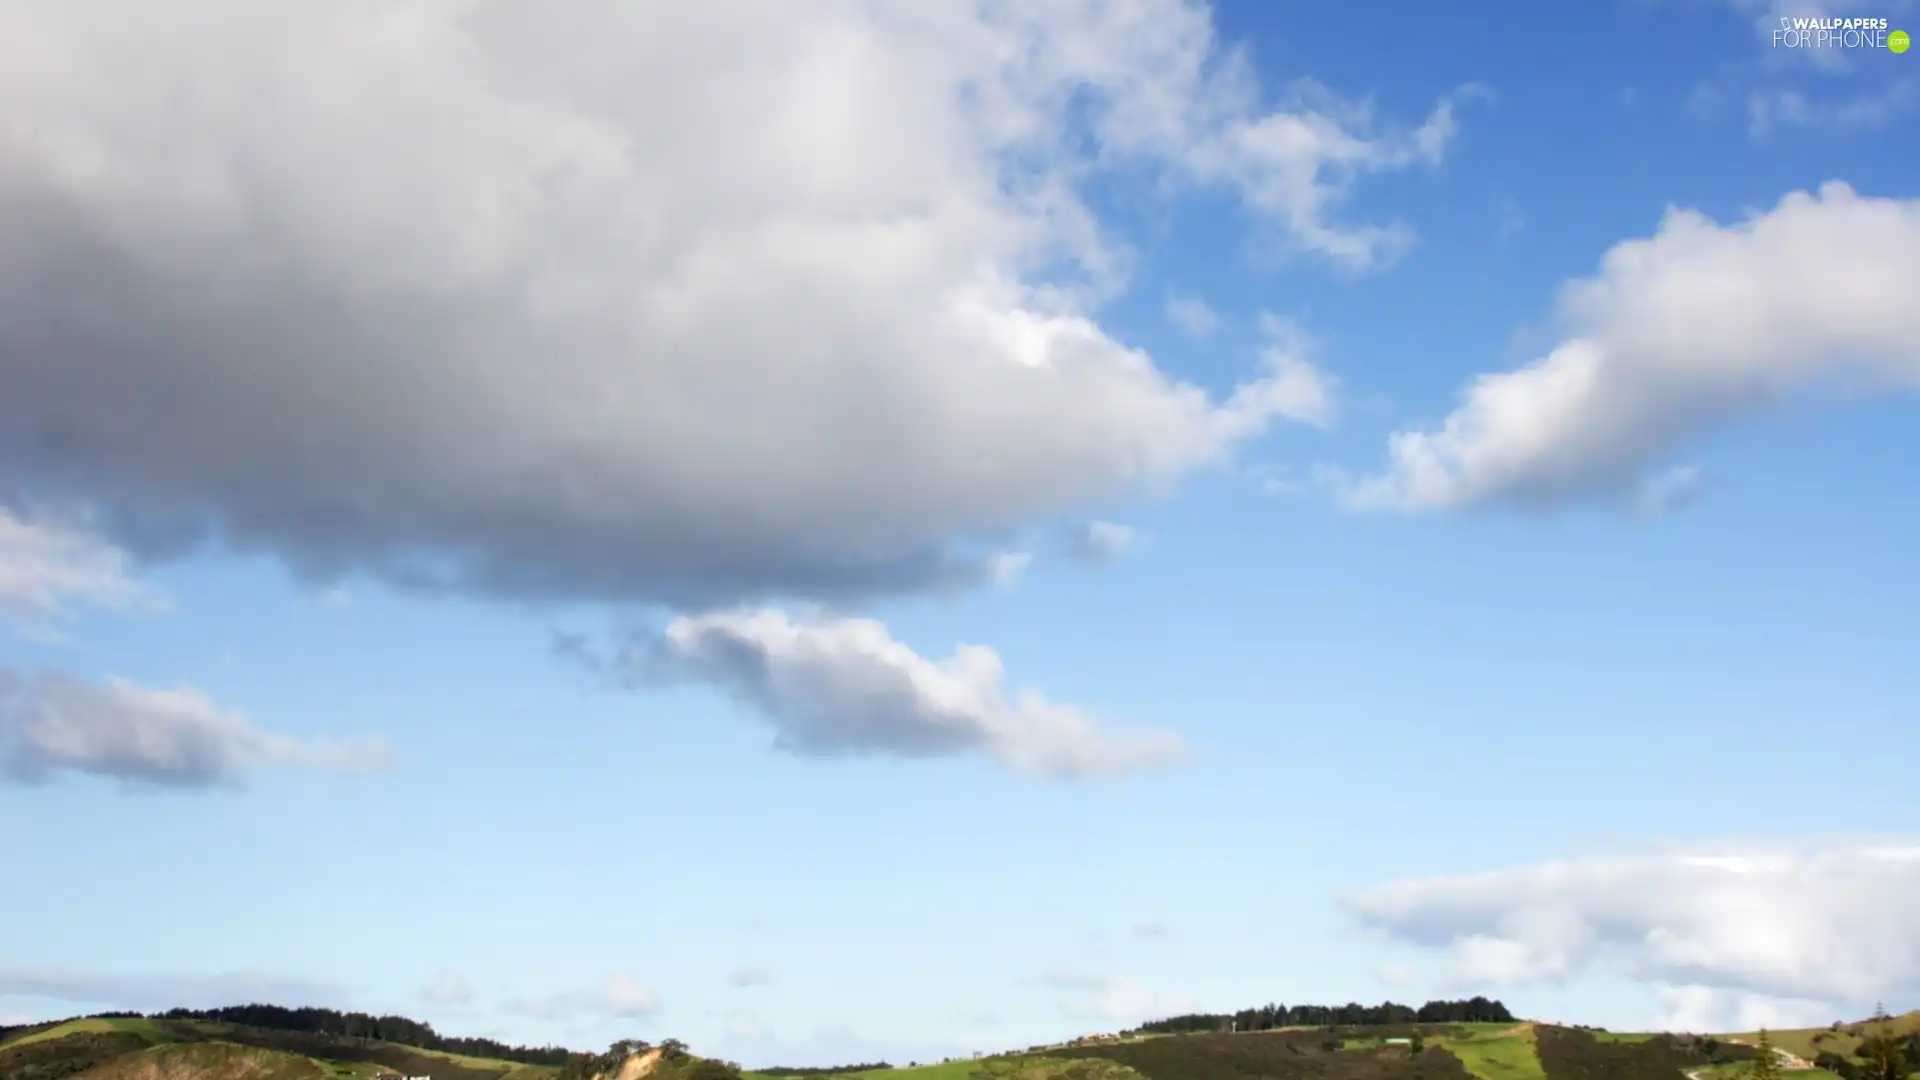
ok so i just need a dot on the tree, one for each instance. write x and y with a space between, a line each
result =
1766 1063
1883 1051
1419 1042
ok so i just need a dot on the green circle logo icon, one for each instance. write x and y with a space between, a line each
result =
1898 41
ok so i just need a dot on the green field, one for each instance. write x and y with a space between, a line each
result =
134 1026
1505 1052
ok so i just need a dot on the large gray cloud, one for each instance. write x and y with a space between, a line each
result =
1834 923
661 301
51 723
837 685
1693 327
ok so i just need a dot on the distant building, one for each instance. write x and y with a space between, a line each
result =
1398 1042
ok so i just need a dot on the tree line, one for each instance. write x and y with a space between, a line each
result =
1476 1010
357 1025
821 1070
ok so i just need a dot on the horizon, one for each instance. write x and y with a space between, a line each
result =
865 530
1167 1026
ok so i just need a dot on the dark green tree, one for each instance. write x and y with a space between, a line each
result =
1883 1051
1766 1063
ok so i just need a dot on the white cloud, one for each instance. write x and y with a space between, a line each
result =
1704 1009
1298 391
1768 110
447 988
1296 164
1834 924
620 997
749 976
148 992
1190 313
51 723
48 564
837 685
684 266
1118 1000
1101 542
1691 328
1006 568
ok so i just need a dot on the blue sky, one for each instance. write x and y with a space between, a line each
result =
489 505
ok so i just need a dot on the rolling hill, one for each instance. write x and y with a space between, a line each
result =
141 1048
185 1048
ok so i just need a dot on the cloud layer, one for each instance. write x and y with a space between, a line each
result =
620 302
1694 327
152 992
1838 923
832 685
52 724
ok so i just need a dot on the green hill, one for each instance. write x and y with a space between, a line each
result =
141 1048
180 1046
1406 1051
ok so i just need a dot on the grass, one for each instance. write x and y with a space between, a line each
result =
100 1026
1741 1068
183 1061
1509 1053
481 1062
939 1070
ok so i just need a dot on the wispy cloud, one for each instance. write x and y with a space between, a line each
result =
1101 542
149 992
50 564
620 997
1115 999
53 724
1192 314
1771 110
447 988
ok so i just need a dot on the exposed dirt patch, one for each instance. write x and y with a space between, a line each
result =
636 1067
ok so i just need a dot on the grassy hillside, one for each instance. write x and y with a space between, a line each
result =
197 1061
1277 1055
152 1049
163 1048
1507 1053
